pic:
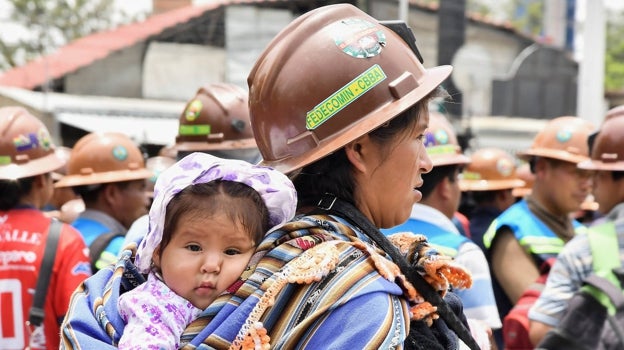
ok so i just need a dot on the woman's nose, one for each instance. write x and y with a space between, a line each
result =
425 163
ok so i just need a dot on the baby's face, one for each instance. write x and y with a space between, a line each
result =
206 255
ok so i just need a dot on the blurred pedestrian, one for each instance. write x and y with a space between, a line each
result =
107 170
578 259
65 204
488 180
31 307
433 218
524 240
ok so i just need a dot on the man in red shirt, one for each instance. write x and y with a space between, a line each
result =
27 158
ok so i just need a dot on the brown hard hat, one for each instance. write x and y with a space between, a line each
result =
331 76
441 142
63 153
616 111
103 158
563 138
156 165
490 169
608 147
26 148
216 118
523 172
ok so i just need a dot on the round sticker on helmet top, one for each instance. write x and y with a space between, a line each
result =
358 37
120 153
564 135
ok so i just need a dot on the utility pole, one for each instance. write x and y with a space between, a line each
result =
590 98
404 11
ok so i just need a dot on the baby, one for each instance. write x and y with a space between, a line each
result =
207 217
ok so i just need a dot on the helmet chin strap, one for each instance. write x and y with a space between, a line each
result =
406 33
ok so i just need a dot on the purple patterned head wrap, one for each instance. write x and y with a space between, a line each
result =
275 188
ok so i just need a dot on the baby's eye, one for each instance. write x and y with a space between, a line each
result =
193 247
232 251
421 137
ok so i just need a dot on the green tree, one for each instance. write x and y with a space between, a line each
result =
614 58
527 16
51 24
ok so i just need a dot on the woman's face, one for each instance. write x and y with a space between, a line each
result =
387 182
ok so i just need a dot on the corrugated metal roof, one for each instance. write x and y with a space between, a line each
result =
84 51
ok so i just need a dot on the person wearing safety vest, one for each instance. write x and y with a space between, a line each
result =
576 261
533 230
27 160
433 218
108 171
488 182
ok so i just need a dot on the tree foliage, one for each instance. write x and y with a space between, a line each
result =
614 60
51 24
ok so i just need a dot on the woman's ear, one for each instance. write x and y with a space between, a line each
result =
356 152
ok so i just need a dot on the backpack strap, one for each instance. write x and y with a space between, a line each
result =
98 245
35 314
605 249
606 257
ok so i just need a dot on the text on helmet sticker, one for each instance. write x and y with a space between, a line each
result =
358 37
343 97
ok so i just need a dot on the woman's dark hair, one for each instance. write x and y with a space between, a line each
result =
11 191
333 173
241 203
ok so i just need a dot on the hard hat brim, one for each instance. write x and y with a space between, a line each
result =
489 185
43 165
104 177
431 80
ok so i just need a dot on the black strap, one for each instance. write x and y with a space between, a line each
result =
609 289
35 315
617 299
331 203
98 245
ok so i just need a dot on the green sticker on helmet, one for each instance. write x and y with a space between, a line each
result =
5 160
194 130
343 97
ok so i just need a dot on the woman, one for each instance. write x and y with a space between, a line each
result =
339 102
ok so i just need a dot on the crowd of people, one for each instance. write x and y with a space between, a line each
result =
327 208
